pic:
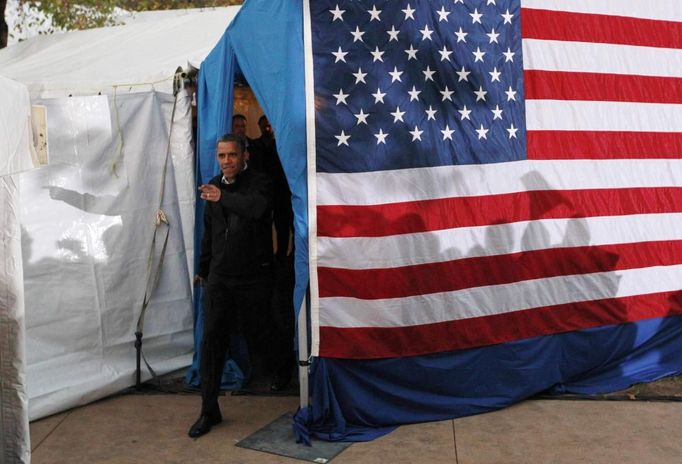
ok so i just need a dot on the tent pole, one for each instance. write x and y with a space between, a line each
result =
303 353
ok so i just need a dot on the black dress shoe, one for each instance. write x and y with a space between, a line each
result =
203 425
280 383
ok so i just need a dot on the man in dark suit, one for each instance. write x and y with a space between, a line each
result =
235 265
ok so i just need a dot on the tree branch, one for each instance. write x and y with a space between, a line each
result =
4 31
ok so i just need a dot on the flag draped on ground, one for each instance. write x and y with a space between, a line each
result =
484 171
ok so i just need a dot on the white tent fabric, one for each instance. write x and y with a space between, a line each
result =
133 57
15 156
87 228
88 219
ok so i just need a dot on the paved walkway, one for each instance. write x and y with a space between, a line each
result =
152 429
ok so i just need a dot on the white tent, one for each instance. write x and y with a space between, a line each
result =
144 53
89 218
15 156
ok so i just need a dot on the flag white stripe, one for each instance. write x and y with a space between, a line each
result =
497 299
553 55
667 10
403 185
566 115
471 242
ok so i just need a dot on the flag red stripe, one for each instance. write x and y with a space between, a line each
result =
494 270
447 213
548 145
382 342
559 85
586 27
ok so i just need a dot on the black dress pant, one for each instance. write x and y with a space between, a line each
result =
230 306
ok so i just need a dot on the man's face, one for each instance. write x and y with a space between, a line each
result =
239 127
265 127
230 159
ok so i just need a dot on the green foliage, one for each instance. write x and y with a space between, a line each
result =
147 5
85 14
80 14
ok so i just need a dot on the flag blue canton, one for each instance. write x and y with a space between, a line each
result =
417 83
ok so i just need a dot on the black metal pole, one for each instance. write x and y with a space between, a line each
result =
138 349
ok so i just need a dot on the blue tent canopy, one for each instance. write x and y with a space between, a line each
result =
273 66
361 399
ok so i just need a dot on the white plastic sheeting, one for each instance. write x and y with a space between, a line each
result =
14 157
87 227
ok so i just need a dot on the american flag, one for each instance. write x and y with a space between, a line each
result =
483 171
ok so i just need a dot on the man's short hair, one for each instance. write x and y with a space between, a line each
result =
241 143
238 116
262 118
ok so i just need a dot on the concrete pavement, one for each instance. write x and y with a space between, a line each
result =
152 429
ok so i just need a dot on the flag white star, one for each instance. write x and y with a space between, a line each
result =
409 12
379 96
507 17
426 32
428 74
411 53
414 94
342 138
397 115
491 2
341 97
392 34
446 94
357 34
478 55
444 54
511 94
362 117
480 93
442 14
497 112
463 75
416 134
360 76
508 55
381 137
338 14
447 132
461 35
512 131
495 75
377 55
374 13
492 35
482 132
395 74
340 55
465 112
431 113
459 1
475 17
